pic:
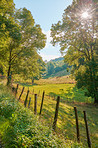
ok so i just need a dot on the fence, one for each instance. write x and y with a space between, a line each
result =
28 100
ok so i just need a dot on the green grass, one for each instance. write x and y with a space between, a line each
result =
20 128
67 92
70 97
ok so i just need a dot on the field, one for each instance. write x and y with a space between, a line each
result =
56 80
70 96
20 128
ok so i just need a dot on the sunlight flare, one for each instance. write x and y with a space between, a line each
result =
85 15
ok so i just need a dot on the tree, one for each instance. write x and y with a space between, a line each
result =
10 34
32 68
32 40
24 39
77 34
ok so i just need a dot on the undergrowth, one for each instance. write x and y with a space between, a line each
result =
20 128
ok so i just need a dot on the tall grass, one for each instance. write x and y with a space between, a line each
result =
20 128
70 97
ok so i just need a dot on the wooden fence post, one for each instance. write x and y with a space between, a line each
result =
39 93
29 102
77 125
16 90
21 93
35 104
25 102
42 102
56 113
54 97
87 130
33 91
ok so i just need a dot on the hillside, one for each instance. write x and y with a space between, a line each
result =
20 128
70 96
27 130
56 68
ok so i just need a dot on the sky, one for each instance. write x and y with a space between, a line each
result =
46 13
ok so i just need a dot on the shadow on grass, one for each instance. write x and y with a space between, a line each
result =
66 124
26 84
73 95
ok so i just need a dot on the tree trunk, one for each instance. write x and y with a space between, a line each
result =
32 81
9 75
95 91
9 68
96 95
96 99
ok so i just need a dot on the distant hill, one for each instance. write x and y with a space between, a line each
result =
57 59
56 68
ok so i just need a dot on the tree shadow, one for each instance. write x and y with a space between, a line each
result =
27 84
73 95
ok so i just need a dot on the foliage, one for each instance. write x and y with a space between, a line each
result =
20 128
22 39
78 35
50 68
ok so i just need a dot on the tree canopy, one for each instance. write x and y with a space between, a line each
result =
21 39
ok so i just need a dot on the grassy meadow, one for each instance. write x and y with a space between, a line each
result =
20 128
70 96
